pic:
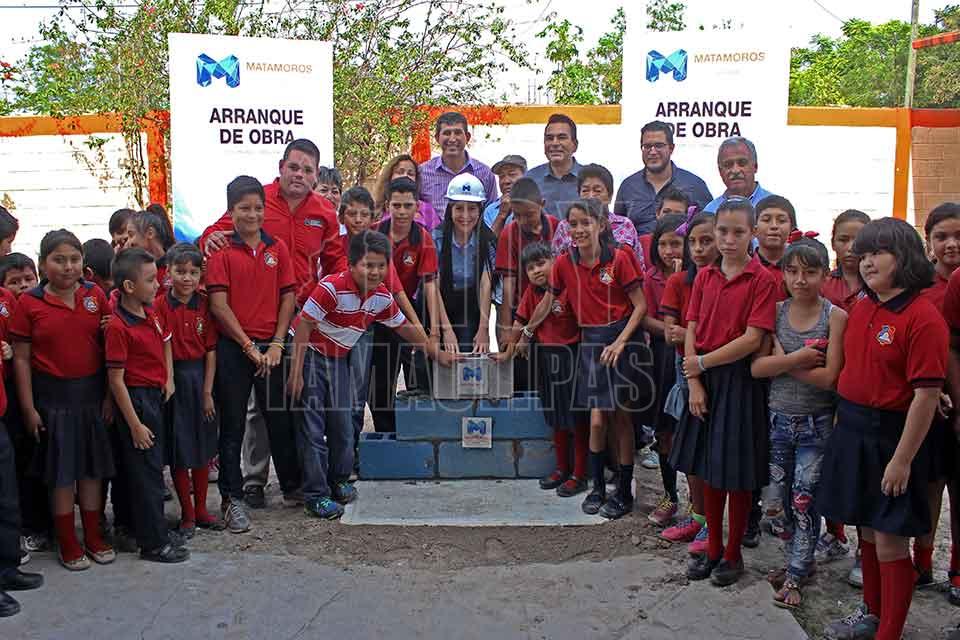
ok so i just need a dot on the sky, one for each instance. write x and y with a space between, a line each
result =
802 18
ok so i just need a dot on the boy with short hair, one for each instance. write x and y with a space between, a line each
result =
140 372
97 257
18 273
340 309
251 286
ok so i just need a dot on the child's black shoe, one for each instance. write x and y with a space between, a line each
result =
615 507
592 503
552 481
167 554
727 573
701 566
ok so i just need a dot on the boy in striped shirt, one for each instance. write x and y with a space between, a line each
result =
334 317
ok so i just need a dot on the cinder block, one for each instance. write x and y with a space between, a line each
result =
535 458
945 135
927 151
428 419
520 417
456 462
382 457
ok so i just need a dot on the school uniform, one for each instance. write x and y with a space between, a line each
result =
664 356
10 521
555 348
728 449
254 281
415 260
510 245
775 269
940 439
136 345
675 301
191 440
68 382
835 289
600 299
902 344
342 314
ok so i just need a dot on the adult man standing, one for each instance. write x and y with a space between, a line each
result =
637 196
737 162
557 178
452 134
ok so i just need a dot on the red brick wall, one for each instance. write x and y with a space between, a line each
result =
935 163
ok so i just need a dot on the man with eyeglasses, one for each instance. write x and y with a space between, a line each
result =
737 162
637 196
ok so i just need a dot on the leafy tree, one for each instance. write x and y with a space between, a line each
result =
390 56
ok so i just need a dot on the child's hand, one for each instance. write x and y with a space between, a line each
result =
808 358
504 356
481 341
142 436
691 367
34 423
447 358
7 350
295 385
945 406
698 401
450 342
895 478
676 334
169 389
107 409
611 353
209 410
272 357
104 321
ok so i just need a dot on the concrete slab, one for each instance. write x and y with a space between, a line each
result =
287 597
464 503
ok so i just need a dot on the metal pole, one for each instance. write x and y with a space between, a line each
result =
912 56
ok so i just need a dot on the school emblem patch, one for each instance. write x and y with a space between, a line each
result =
606 275
90 304
4 311
885 337
408 259
557 308
269 259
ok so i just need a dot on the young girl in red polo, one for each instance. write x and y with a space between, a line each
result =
59 367
666 259
604 286
700 247
150 230
876 466
732 309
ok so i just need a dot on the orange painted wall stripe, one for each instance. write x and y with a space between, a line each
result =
935 118
901 164
937 40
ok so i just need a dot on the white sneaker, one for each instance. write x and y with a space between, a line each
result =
855 577
649 459
236 518
830 549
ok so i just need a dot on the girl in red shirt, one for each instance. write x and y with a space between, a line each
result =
843 287
59 362
603 283
722 435
700 249
666 259
876 466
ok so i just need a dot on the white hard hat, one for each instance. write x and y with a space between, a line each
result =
466 188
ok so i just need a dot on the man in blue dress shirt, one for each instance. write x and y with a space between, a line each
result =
737 162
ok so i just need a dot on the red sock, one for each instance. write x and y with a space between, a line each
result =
181 482
91 530
581 447
871 576
739 515
837 529
200 483
714 500
897 580
922 557
67 537
561 446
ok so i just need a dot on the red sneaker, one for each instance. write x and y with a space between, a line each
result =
683 531
665 512
699 544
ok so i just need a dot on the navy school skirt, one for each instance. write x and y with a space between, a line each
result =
191 440
665 375
861 446
943 447
75 444
557 372
729 450
628 385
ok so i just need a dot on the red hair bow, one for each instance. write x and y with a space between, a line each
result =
796 234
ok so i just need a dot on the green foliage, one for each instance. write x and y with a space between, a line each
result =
666 15
867 66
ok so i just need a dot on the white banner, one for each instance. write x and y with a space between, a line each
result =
235 103
708 85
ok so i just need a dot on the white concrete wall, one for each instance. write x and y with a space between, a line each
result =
52 189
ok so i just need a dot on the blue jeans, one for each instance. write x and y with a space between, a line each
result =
361 360
797 445
326 431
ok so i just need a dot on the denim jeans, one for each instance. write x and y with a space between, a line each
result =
326 430
797 445
360 359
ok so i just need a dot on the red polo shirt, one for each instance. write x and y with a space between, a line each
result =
8 304
936 293
342 313
254 281
64 342
676 297
414 257
511 243
560 326
775 270
723 309
311 232
835 290
194 331
135 345
892 348
951 303
599 295
653 286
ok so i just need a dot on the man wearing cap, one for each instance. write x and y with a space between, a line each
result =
557 178
452 133
497 214
637 196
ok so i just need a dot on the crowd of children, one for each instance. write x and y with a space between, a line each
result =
768 378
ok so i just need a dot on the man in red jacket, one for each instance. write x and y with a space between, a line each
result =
307 223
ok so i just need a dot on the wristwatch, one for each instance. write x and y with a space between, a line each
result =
527 333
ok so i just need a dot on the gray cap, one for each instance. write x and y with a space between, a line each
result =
515 160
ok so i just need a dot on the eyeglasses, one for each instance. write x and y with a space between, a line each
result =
654 146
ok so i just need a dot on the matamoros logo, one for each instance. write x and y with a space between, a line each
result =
208 69
675 63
